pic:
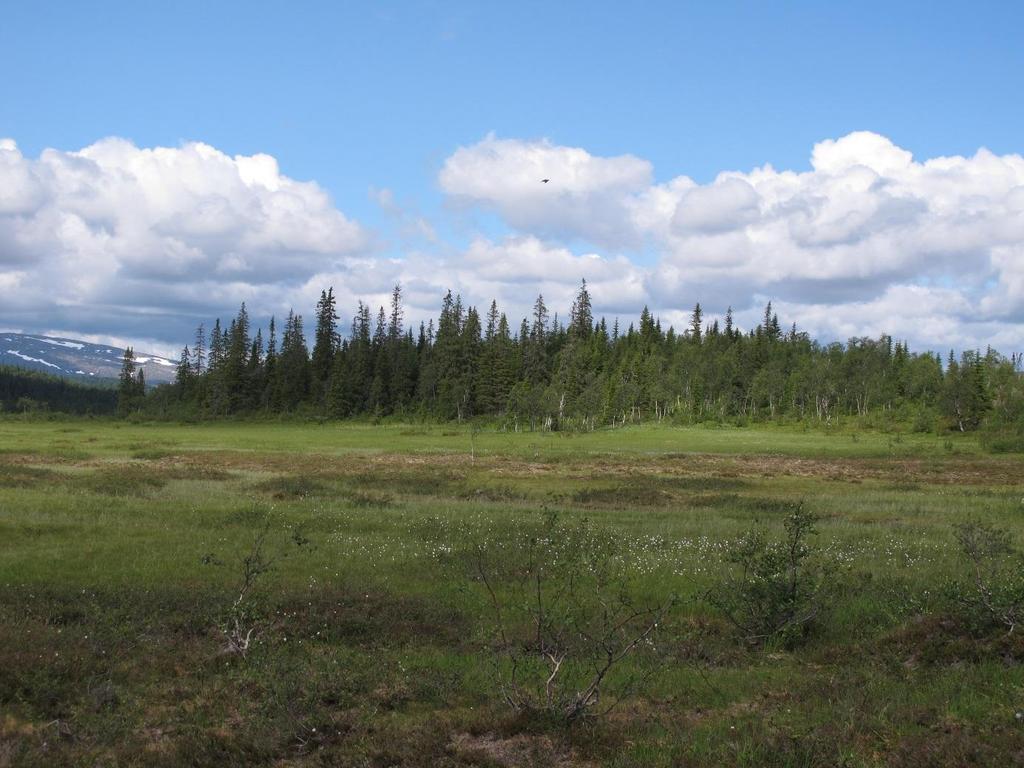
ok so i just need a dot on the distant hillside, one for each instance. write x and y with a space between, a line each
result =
74 359
22 390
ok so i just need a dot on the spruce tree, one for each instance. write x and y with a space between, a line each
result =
535 362
216 345
696 323
401 356
469 355
486 372
293 374
506 370
269 395
361 358
131 385
199 351
581 316
235 362
184 374
380 400
326 341
341 400
448 368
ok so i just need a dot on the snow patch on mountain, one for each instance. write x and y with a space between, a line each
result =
78 359
60 342
158 360
16 353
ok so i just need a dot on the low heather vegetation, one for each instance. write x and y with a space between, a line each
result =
246 594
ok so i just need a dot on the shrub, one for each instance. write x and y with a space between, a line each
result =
994 595
924 420
242 620
1003 441
562 617
776 589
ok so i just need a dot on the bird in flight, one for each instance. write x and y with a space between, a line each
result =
544 181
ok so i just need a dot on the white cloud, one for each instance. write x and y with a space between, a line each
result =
516 269
118 241
726 205
512 271
95 237
941 316
866 222
861 148
864 219
584 194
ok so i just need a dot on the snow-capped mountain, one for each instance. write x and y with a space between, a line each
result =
77 359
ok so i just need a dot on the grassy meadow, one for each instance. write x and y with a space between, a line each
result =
122 547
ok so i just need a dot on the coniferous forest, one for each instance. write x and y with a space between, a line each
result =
581 374
24 391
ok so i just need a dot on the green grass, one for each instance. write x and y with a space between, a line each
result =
120 550
160 439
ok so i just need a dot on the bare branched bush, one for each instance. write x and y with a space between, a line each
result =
775 590
563 617
242 621
994 595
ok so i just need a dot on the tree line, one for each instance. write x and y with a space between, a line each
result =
578 374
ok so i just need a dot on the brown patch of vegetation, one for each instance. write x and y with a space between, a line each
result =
120 480
696 472
943 741
335 615
496 494
292 487
519 751
704 641
25 476
21 458
943 640
631 495
153 454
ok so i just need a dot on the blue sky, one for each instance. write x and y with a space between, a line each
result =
367 97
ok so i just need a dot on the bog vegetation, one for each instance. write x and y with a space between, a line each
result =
255 593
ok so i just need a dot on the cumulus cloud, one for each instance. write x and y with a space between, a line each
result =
866 218
518 268
512 270
585 194
91 238
865 224
942 315
719 207
120 241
